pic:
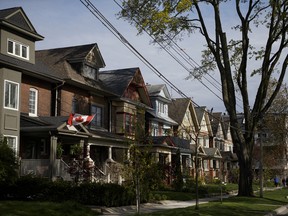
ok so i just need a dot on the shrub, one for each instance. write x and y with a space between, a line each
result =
29 187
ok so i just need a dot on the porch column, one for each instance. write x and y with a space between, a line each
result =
169 158
156 157
53 162
88 150
190 161
89 163
109 160
82 146
110 153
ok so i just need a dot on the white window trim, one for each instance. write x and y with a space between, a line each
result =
15 148
21 45
17 105
36 102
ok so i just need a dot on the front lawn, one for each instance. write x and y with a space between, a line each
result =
235 206
33 208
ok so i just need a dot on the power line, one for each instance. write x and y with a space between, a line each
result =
119 36
123 40
187 58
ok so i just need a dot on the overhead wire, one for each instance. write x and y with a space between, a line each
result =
187 58
123 40
116 33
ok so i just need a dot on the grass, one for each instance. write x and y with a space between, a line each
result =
234 206
184 196
32 208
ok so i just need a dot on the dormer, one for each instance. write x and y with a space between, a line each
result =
160 98
87 60
18 36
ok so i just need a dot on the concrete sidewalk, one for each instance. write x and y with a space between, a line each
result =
172 204
152 207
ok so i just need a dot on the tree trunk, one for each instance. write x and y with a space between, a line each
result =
245 178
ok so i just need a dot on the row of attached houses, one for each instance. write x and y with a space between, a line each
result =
41 89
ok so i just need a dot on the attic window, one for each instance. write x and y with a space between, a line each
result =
18 49
89 72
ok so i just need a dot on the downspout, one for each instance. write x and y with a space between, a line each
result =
56 97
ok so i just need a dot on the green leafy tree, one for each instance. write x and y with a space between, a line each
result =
232 56
141 169
8 163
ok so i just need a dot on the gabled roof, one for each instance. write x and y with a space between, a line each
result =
60 62
58 59
212 153
202 113
15 18
118 81
177 110
215 120
159 91
201 152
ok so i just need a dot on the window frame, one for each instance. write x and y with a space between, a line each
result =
14 148
16 107
35 103
96 122
15 44
129 123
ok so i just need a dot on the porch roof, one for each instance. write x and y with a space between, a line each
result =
171 142
58 124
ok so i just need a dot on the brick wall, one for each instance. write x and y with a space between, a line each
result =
44 95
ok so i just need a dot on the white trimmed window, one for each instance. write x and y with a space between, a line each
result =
18 49
11 142
33 101
11 98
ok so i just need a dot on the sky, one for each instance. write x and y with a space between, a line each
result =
66 23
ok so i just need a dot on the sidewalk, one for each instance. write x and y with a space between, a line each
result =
152 207
172 204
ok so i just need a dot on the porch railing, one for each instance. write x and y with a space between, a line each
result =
41 168
38 167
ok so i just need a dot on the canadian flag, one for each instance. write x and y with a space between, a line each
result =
76 119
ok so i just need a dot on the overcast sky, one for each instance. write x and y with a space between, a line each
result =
69 23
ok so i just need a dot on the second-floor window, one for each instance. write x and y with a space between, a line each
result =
129 123
33 101
11 98
18 49
75 106
98 118
89 72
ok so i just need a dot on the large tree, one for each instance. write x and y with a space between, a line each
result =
233 57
